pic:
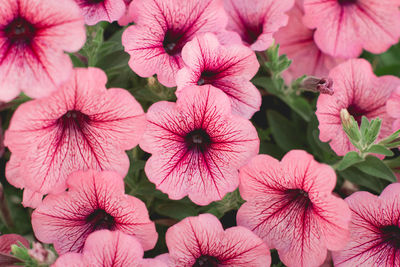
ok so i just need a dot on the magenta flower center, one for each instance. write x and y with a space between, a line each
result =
391 235
20 31
206 261
252 33
347 2
207 77
300 197
357 113
174 42
94 1
100 219
74 119
198 140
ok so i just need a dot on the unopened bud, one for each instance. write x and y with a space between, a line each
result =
345 117
321 85
40 254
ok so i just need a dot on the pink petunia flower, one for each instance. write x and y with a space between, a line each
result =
127 17
297 42
162 29
108 249
81 126
358 90
33 38
229 68
345 27
94 201
197 145
201 241
374 228
393 108
257 20
95 11
290 205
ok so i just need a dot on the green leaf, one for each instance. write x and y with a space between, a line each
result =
373 131
76 61
113 60
176 210
267 83
364 126
360 178
300 106
283 131
348 160
380 149
375 167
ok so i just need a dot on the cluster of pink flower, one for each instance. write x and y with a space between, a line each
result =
69 144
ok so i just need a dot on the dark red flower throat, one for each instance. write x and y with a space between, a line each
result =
198 140
174 41
20 31
74 119
391 236
347 2
206 261
99 219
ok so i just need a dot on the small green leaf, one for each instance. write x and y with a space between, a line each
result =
364 126
283 131
380 149
373 131
301 106
176 210
348 160
375 167
360 178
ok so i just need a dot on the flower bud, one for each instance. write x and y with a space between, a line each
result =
315 84
345 117
41 255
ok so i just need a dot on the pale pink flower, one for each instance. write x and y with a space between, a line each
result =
94 201
374 228
81 126
197 145
257 20
108 249
162 29
297 42
33 38
127 17
201 241
95 11
345 27
229 68
290 205
393 108
358 90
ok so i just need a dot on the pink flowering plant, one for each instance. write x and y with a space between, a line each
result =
169 133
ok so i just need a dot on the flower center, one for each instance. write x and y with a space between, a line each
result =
356 112
74 119
95 1
252 33
347 2
391 235
299 196
206 261
198 140
173 42
100 219
206 77
20 31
